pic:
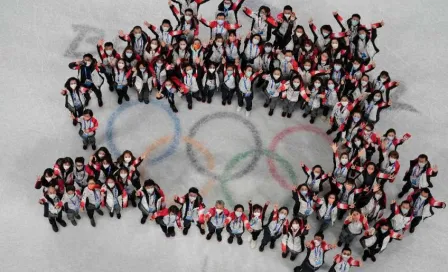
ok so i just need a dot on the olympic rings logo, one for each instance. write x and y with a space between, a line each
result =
194 146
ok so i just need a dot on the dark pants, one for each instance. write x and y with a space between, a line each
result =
91 210
306 267
407 186
267 237
229 230
324 225
110 81
188 223
255 234
122 93
97 92
247 99
416 221
165 229
227 94
333 128
190 95
143 95
326 109
53 219
346 236
207 94
77 112
212 229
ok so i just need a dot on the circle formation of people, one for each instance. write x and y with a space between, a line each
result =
328 71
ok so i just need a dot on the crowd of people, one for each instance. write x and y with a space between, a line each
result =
325 74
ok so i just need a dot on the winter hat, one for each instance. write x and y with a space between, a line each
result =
194 190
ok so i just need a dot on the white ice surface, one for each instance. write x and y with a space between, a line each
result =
36 130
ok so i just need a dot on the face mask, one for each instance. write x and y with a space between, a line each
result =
159 63
376 98
182 46
190 72
404 211
288 58
218 44
344 161
382 79
316 242
316 174
299 34
268 49
211 70
422 197
192 198
345 257
150 190
187 18
137 35
248 73
282 216
362 36
111 184
384 230
127 159
325 34
48 179
123 176
392 160
73 86
153 46
165 28
52 195
71 195
317 85
356 119
344 103
229 72
307 68
323 62
79 167
218 211
255 41
304 193
364 83
196 46
307 48
331 86
337 67
257 214
238 214
295 226
128 54
88 63
390 138
357 143
220 22
378 196
105 165
168 87
91 186
227 6
421 164
66 167
109 52
142 70
334 45
356 66
276 77
354 22
100 156
287 16
296 84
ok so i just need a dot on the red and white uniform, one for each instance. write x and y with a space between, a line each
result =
218 220
237 224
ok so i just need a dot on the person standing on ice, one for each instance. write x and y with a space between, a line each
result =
327 211
315 256
185 5
88 75
230 9
286 22
343 262
377 240
423 203
256 219
304 201
72 204
91 200
131 163
55 206
167 218
114 197
215 219
277 224
418 175
245 87
236 223
293 241
137 39
75 99
192 209
315 177
88 128
151 199
262 22
353 226
109 58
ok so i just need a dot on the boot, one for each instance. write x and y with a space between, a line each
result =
54 225
61 222
329 131
92 222
284 255
111 87
75 123
253 244
100 212
340 243
84 147
219 237
126 97
209 100
271 112
365 255
174 108
143 220
134 204
111 214
400 195
190 106
229 102
74 222
304 115
293 257
312 120
239 240
202 231
223 103
247 113
272 245
289 115
87 102
167 234
120 101
118 215
373 258
238 109
198 99
261 248
412 230
284 114
204 99
100 102
94 146
266 104
230 239
78 216
185 231
209 236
